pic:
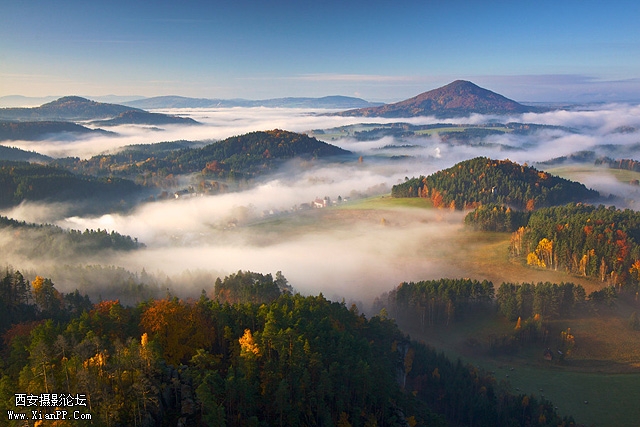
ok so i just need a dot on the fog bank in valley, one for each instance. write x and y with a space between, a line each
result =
351 254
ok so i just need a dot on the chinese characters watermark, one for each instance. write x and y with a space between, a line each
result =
41 407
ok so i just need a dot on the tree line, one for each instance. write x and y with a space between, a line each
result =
436 302
625 164
494 217
534 307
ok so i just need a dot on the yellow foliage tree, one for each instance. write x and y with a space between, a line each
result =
542 256
635 270
248 347
46 295
344 420
532 259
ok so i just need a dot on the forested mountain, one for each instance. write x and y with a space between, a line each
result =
24 181
236 157
600 242
145 118
459 98
38 130
68 108
482 180
275 143
75 108
292 361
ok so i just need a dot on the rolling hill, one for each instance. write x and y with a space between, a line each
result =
245 155
19 155
460 98
483 181
38 130
68 108
136 117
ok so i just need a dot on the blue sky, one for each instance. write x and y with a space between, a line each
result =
378 50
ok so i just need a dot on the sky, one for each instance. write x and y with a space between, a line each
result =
542 51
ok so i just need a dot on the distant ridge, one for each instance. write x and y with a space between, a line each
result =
333 102
67 108
76 108
459 98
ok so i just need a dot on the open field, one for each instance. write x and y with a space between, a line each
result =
604 368
580 172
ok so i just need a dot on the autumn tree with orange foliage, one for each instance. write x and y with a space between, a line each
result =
180 328
47 297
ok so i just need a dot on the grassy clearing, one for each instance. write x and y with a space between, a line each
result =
611 396
386 202
578 172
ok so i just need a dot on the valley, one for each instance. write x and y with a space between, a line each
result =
223 227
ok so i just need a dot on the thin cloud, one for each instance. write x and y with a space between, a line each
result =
359 78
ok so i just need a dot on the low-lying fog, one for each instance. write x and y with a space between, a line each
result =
345 254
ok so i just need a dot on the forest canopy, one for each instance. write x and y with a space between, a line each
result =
293 360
